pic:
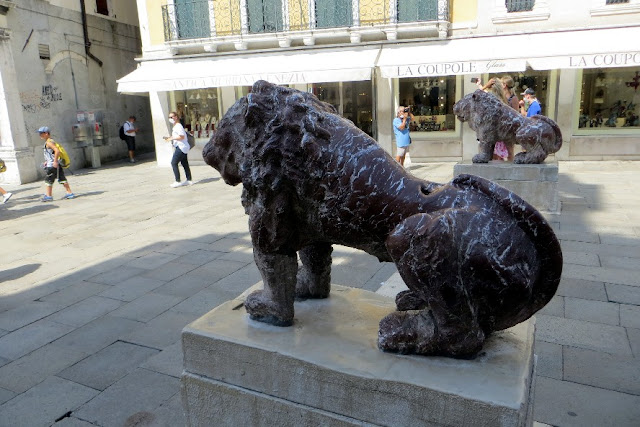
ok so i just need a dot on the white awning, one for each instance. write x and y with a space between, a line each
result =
595 48
233 70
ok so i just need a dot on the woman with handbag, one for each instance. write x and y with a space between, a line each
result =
180 142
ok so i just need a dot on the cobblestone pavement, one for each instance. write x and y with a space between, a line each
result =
95 291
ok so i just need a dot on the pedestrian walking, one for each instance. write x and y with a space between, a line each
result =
130 137
5 195
52 167
180 143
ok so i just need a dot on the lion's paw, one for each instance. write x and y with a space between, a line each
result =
480 158
409 300
406 332
265 310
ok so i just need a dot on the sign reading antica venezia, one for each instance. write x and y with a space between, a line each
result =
454 68
239 80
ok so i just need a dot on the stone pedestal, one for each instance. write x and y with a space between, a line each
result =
327 370
537 184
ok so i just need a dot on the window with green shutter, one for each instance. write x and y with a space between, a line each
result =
519 5
265 16
192 18
417 10
333 13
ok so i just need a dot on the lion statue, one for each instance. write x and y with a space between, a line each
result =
494 121
475 257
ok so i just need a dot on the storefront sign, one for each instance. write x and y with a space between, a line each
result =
237 80
454 68
606 60
599 60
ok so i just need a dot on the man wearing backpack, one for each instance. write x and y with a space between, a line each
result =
51 166
130 137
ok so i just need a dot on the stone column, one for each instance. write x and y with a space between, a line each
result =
469 139
385 111
14 146
160 109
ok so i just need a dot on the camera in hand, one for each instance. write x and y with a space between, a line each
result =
407 109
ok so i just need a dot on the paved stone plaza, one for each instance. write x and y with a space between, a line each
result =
95 291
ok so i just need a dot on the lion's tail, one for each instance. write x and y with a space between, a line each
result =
539 231
556 129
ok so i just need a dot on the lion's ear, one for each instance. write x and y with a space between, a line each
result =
256 109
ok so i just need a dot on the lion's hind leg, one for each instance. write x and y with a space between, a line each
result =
314 276
424 248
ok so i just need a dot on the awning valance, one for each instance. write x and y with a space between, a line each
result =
597 48
284 68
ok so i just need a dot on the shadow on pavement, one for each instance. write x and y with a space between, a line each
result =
18 272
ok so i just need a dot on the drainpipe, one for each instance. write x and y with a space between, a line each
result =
87 43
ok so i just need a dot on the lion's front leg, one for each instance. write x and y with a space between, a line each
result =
485 151
314 277
274 304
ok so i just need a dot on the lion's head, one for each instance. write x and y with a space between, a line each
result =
260 129
475 104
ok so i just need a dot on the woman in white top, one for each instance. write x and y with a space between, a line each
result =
179 141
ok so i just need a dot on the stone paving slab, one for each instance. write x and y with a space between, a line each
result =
107 366
563 403
30 370
595 336
603 370
31 337
162 331
130 399
592 311
18 317
45 402
85 311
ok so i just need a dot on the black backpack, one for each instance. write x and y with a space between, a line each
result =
123 136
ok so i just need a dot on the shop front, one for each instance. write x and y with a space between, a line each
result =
588 86
200 90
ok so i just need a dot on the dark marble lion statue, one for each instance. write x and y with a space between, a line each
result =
495 121
475 257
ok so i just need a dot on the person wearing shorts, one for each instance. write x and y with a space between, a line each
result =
130 137
401 131
52 168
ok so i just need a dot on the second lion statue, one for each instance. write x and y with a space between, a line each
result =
495 121
475 257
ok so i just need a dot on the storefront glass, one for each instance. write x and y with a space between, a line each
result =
353 100
431 100
610 99
199 110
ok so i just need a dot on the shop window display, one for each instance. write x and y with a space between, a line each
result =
610 98
200 112
431 101
353 100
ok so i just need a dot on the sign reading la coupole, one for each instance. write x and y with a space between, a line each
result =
453 68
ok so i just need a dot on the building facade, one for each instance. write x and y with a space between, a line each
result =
366 57
59 61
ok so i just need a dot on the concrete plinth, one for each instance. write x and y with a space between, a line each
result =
537 184
327 370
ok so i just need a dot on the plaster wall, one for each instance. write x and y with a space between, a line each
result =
53 91
124 12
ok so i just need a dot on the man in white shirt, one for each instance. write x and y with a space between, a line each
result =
130 135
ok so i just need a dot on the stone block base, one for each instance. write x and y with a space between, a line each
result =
537 184
326 369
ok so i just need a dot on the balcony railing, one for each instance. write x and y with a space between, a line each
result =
193 19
